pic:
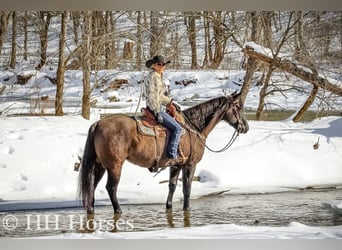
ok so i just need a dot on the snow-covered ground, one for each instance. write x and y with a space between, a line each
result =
226 231
37 154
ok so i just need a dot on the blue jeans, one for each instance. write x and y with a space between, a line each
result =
176 130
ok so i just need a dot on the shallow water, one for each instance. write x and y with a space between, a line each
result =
310 207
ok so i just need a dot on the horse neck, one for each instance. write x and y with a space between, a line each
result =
212 124
200 114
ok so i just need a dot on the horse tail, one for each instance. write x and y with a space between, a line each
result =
87 170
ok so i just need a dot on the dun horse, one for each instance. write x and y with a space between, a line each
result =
114 139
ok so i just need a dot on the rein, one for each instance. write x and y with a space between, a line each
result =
228 145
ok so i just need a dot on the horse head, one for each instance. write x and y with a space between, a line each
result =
234 113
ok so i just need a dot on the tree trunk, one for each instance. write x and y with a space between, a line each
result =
86 64
139 41
267 41
263 93
207 48
220 39
307 104
267 28
251 62
61 66
98 40
107 42
76 24
250 69
14 40
128 50
154 33
175 49
298 37
303 56
111 55
191 27
45 18
25 36
4 15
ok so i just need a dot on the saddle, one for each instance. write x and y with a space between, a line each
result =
148 125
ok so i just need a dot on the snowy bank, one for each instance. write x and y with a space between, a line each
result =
226 231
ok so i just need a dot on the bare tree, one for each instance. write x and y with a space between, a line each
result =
14 40
98 39
215 38
302 55
207 45
113 42
139 41
3 27
190 20
4 16
220 38
154 33
175 48
86 63
44 22
251 62
61 66
108 48
266 20
25 35
75 16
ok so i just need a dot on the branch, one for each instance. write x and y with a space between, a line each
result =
260 53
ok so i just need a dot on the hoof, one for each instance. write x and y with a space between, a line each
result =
117 212
168 206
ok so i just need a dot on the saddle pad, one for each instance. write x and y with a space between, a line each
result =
151 131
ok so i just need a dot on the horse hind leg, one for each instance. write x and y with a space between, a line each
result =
112 186
98 174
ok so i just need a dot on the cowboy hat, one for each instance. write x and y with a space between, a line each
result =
156 59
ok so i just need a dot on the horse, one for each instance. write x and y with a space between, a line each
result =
113 140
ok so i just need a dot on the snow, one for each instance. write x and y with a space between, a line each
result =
228 231
37 154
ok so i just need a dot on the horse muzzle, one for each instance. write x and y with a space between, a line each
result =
243 126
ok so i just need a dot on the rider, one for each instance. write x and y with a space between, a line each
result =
154 92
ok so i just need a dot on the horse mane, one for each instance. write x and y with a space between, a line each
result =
201 114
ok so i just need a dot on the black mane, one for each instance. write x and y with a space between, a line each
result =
201 114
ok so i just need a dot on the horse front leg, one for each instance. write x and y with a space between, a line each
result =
187 176
174 173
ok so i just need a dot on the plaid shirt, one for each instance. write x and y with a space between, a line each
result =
154 90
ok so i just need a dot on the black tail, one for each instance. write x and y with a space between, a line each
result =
86 175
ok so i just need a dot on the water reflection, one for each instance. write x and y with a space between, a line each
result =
186 218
